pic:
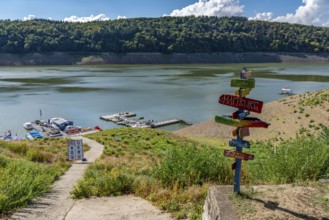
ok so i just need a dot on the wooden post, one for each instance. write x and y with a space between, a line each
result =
238 162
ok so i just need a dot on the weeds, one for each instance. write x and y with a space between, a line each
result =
175 173
27 170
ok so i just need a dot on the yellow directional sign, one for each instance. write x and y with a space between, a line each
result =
244 92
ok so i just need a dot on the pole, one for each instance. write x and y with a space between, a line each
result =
238 163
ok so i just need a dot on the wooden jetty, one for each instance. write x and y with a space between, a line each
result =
165 123
118 115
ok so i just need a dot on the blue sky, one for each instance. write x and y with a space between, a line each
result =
311 12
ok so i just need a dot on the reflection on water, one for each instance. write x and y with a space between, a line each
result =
158 92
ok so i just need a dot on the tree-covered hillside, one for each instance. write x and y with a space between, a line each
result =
164 35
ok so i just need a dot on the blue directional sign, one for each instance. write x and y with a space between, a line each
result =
241 143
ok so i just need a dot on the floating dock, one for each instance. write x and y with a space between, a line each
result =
117 116
165 123
127 119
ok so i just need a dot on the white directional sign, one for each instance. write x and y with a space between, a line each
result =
75 150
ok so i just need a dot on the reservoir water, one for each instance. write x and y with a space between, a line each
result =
157 92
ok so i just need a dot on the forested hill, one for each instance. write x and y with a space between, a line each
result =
164 35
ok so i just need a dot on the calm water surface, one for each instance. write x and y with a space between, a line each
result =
158 92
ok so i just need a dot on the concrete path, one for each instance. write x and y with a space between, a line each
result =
58 204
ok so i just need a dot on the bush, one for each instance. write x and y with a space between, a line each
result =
21 181
103 180
187 166
293 161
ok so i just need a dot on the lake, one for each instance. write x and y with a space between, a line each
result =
157 92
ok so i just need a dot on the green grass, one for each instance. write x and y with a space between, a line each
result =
302 159
174 173
27 170
318 98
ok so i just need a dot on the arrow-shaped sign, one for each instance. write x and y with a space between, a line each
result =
242 92
243 132
242 143
238 155
246 122
241 103
243 83
240 114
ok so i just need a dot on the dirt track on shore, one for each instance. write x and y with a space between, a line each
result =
58 203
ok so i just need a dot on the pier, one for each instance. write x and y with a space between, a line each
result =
128 119
117 116
165 123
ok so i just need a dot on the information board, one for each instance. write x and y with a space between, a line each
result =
75 150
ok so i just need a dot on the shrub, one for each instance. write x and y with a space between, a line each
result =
188 166
293 161
21 181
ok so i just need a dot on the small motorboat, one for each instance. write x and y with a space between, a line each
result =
28 126
54 133
33 135
286 91
71 129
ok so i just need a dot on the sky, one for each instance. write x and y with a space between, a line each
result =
309 12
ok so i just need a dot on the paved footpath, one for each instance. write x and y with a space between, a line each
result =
58 204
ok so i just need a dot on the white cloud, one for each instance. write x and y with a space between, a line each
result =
121 17
265 16
100 17
312 12
211 8
29 17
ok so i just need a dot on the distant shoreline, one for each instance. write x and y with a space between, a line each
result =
66 58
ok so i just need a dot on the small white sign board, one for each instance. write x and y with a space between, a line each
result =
75 150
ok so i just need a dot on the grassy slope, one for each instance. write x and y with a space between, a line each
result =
174 172
290 116
27 170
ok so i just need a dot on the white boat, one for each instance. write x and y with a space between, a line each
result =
28 125
286 91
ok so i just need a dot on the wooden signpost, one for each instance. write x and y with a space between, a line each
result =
240 120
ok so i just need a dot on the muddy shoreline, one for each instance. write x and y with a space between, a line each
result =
64 58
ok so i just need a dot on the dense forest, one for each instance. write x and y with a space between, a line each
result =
164 35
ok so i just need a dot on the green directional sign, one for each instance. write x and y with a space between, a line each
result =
243 83
227 121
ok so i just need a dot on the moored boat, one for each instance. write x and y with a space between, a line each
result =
28 126
33 135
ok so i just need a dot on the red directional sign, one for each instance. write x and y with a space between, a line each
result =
241 103
238 155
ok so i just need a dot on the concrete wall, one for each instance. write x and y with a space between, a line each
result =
218 205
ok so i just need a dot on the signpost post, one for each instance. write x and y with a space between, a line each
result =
240 120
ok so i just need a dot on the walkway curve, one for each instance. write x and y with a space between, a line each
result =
59 205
